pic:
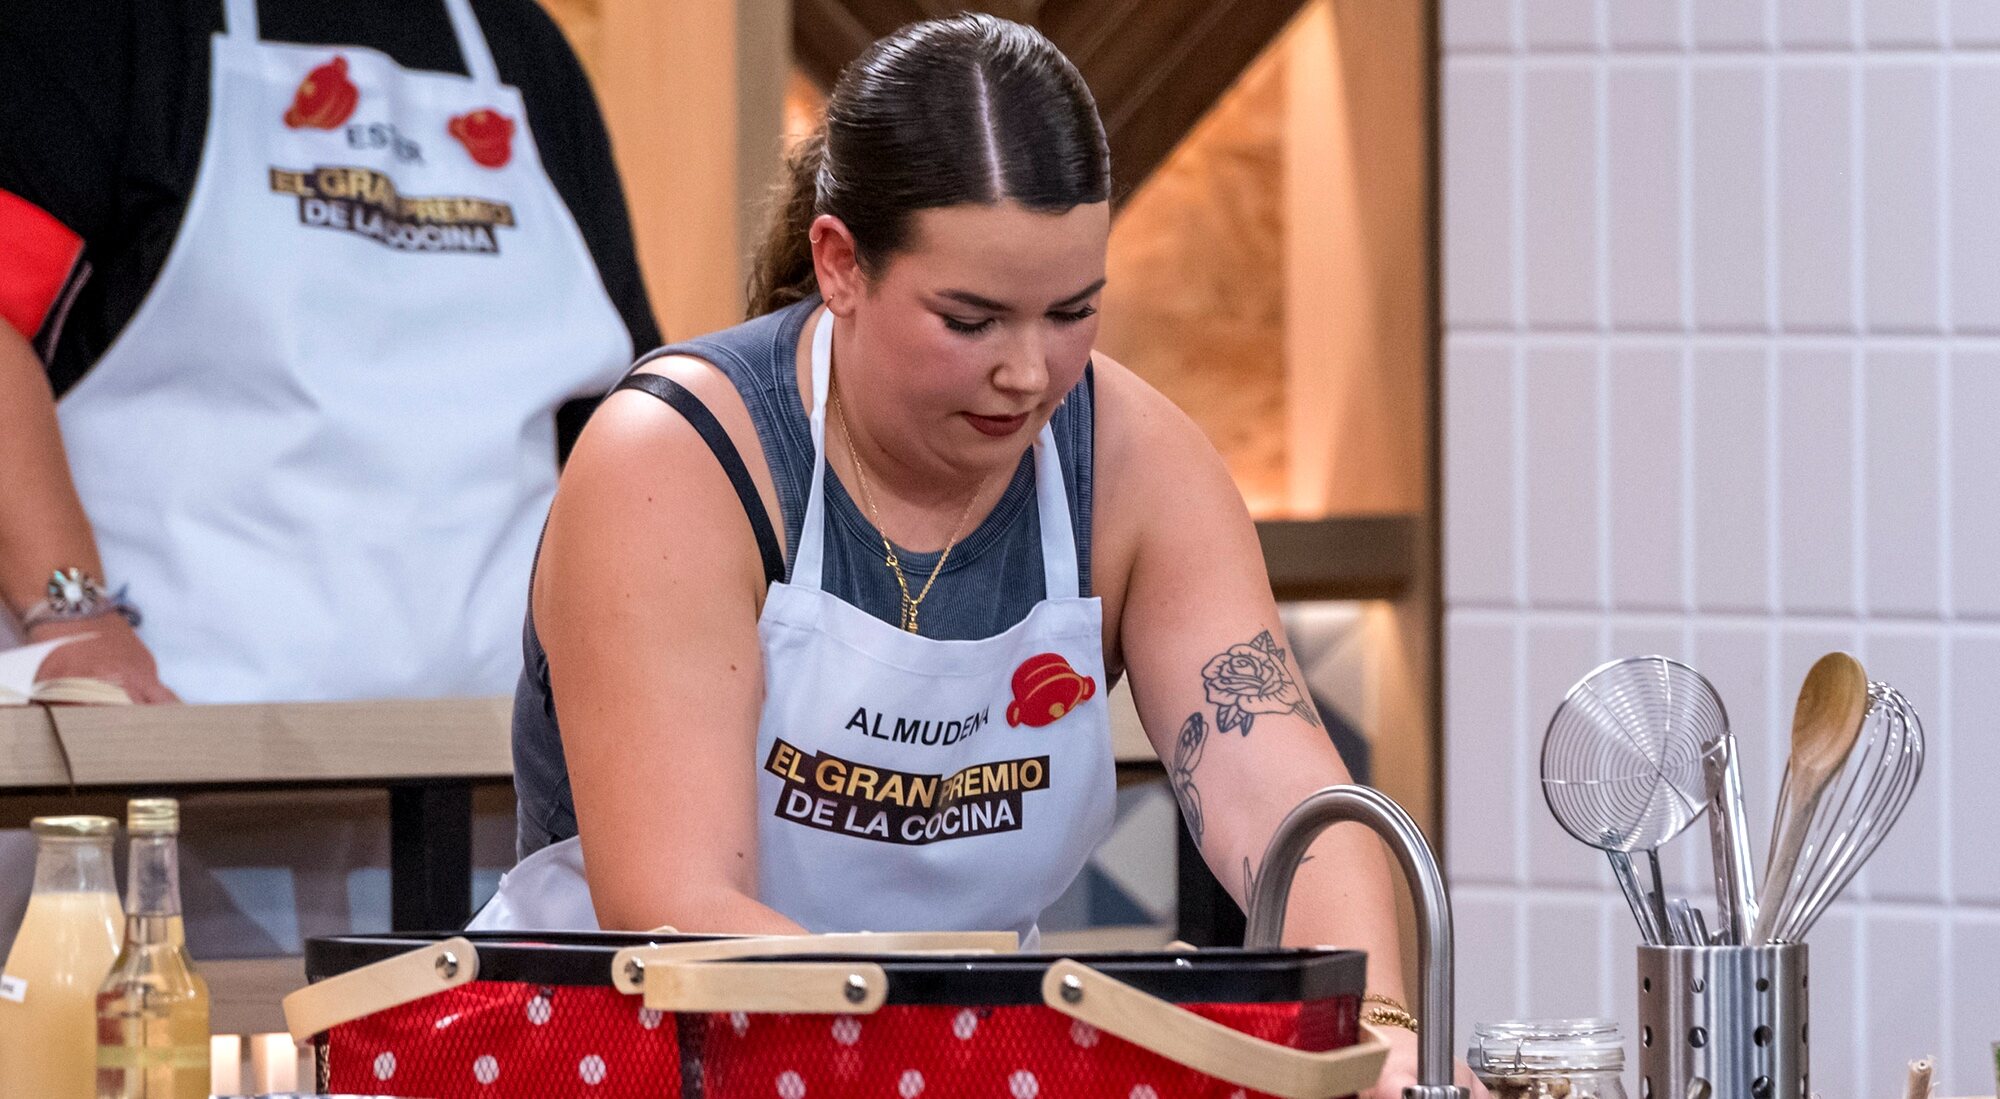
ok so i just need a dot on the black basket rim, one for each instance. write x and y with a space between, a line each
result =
1218 975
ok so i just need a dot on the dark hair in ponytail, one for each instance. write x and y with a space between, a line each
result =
967 109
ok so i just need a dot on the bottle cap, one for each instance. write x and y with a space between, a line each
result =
153 816
77 826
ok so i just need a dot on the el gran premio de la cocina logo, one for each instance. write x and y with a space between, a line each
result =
365 202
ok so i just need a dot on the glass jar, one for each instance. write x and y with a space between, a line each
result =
1549 1059
71 933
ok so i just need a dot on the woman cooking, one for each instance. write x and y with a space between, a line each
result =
829 603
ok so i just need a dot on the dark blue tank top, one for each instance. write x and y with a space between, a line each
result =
993 579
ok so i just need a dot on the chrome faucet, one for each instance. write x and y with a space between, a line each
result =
1273 889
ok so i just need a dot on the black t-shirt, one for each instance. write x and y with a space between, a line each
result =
104 104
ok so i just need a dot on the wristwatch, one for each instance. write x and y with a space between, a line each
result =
73 596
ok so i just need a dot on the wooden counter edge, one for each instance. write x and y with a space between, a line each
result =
295 742
30 753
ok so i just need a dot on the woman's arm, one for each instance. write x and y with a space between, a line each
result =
1217 690
646 599
43 528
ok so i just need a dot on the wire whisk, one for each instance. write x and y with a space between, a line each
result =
1860 806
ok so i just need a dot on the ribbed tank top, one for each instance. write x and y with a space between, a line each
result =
993 579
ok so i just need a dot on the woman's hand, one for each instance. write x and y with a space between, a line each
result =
112 653
1400 1071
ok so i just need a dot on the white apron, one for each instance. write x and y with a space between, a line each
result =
321 450
906 783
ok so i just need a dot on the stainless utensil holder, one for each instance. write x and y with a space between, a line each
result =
1733 1017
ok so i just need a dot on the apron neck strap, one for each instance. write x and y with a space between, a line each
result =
806 564
1059 578
1059 569
471 43
239 19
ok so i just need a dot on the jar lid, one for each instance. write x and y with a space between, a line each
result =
1546 1045
75 826
153 816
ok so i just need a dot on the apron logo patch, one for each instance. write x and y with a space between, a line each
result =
1046 688
838 795
365 202
488 136
325 99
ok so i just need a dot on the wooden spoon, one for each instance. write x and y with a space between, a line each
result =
1825 725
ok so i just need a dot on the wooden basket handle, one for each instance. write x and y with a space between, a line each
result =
379 986
1206 1046
799 988
630 965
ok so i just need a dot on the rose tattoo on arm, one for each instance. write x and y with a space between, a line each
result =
1187 756
1252 679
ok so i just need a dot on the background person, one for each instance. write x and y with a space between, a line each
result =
295 291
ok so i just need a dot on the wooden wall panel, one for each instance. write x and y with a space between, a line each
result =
1357 264
693 95
1196 298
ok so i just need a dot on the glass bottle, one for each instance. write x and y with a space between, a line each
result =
152 1011
1549 1059
65 946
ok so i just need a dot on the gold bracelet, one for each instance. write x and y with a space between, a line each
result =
1390 1013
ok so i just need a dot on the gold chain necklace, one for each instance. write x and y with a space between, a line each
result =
889 558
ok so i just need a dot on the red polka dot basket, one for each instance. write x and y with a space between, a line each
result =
604 1016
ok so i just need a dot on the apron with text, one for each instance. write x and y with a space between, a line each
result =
906 783
321 450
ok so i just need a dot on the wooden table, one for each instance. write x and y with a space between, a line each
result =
428 754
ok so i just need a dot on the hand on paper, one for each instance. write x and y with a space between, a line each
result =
113 653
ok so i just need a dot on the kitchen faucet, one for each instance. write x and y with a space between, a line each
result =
1273 889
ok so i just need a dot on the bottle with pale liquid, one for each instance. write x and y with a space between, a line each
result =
152 1011
67 941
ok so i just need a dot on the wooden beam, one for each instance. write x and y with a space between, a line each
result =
827 34
1350 557
1155 66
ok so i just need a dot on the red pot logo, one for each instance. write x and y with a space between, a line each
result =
1046 688
325 98
486 134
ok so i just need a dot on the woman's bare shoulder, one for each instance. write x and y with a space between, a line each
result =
642 478
1154 473
1141 436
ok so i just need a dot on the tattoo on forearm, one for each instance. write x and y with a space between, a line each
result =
1253 679
1187 756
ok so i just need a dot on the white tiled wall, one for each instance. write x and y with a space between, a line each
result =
1722 377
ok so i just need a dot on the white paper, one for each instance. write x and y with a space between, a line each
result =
13 988
18 667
